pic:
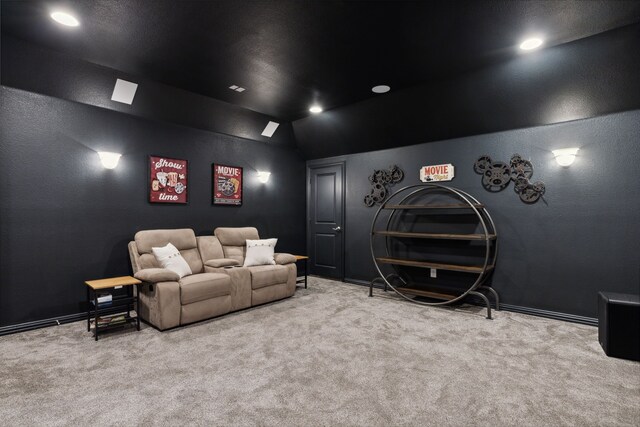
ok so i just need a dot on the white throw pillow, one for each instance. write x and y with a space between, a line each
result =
169 257
260 252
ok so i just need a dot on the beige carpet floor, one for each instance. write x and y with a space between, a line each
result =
329 356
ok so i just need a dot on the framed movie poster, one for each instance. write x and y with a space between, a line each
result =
226 185
168 180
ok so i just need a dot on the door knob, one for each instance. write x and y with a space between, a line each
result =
337 228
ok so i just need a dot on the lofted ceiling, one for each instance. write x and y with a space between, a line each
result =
291 54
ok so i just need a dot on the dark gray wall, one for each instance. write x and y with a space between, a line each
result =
556 254
65 219
586 78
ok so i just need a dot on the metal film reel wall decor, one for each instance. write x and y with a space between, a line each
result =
433 228
380 181
496 176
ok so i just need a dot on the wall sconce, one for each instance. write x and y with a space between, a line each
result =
263 176
109 160
565 156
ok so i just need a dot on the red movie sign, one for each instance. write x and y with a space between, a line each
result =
167 180
432 173
227 185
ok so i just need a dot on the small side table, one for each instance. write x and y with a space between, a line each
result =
126 301
306 268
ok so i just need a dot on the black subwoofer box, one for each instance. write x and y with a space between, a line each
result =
619 325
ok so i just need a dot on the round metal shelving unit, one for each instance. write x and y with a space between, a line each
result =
424 199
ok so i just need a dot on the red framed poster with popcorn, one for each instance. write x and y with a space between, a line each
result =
226 185
168 180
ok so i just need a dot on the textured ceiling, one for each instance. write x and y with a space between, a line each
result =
289 54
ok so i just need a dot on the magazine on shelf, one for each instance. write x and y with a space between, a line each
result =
111 320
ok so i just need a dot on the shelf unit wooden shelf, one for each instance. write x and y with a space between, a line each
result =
428 294
434 235
436 265
418 199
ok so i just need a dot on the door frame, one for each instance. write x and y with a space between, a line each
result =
315 164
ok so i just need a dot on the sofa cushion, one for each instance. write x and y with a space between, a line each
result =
148 261
169 258
270 293
198 287
260 252
233 240
283 258
235 252
235 236
154 275
209 247
221 262
267 275
192 256
206 309
183 238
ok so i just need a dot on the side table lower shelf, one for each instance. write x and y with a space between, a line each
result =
117 306
126 320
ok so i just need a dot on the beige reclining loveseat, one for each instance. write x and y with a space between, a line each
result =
219 284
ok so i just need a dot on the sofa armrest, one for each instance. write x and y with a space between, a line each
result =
160 304
221 262
283 258
155 275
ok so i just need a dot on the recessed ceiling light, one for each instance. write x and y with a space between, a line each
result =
380 89
233 87
240 89
315 109
65 19
532 43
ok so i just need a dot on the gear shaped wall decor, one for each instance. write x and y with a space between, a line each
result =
496 176
379 182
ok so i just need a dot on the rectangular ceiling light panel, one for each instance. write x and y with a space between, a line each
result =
270 129
124 91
